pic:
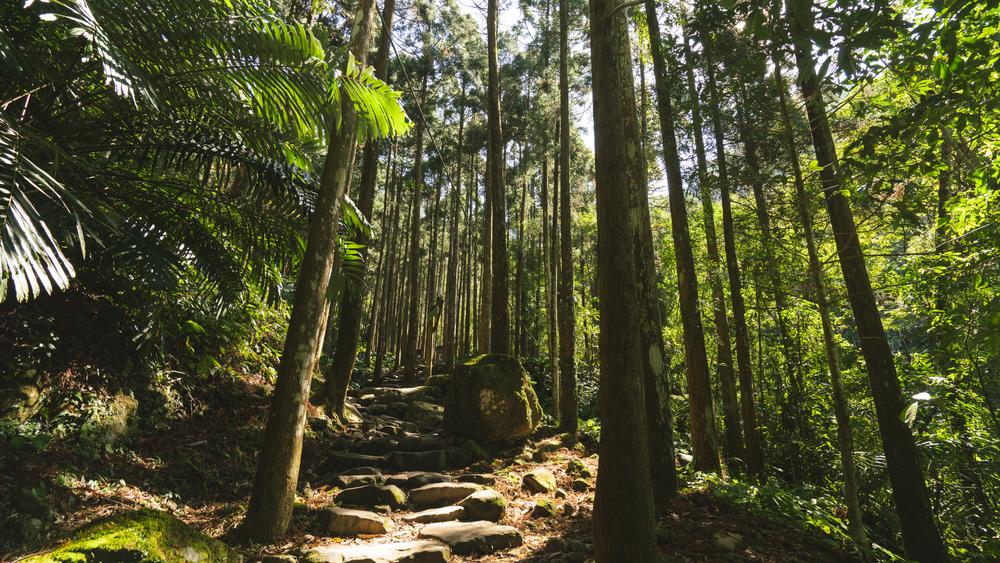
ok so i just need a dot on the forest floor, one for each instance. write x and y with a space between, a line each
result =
200 467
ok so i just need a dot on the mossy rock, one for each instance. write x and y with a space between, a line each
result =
577 468
110 422
141 536
544 508
491 399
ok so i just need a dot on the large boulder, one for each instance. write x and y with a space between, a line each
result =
150 536
491 399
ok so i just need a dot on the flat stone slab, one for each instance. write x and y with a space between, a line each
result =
414 479
421 551
434 460
540 480
481 478
443 514
335 521
370 496
470 538
441 494
339 461
349 481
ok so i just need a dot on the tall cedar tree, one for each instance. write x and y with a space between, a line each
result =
921 539
703 439
567 317
500 313
277 477
623 506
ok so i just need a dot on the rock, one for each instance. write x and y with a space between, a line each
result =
543 451
561 494
439 379
342 522
418 443
727 541
544 508
20 396
150 536
539 480
414 479
441 494
400 552
350 481
362 470
481 478
339 461
569 509
425 413
380 446
468 538
369 496
484 505
443 514
352 415
458 457
433 460
110 422
580 485
283 558
577 468
490 399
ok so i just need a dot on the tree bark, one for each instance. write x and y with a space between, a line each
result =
754 454
432 299
451 287
413 303
702 413
623 506
921 539
270 509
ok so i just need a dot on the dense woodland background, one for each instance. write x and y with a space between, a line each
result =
160 163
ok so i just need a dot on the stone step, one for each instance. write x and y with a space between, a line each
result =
345 522
473 538
338 461
431 515
421 551
350 481
433 460
370 496
442 494
486 504
413 479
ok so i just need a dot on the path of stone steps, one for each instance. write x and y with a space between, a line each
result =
397 469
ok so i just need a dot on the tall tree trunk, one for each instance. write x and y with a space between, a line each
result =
845 438
433 300
724 352
548 264
277 477
451 291
754 454
553 266
486 280
623 506
921 539
349 329
702 412
567 315
389 286
519 276
413 303
500 307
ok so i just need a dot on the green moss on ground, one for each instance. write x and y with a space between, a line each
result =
141 536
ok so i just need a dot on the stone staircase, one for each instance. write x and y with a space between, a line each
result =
400 477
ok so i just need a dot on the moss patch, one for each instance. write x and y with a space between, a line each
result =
141 536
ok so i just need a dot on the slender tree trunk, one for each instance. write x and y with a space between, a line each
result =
413 314
451 291
519 275
567 316
339 376
552 264
270 509
724 353
548 264
433 300
754 453
702 412
500 308
921 539
845 438
486 280
623 506
389 286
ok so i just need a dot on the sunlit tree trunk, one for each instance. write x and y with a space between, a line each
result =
277 477
413 302
623 506
702 413
921 539
433 301
452 290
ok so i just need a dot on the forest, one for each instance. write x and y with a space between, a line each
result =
622 281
